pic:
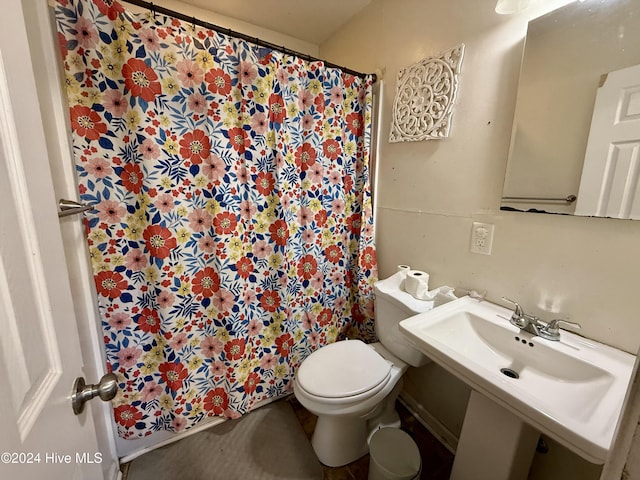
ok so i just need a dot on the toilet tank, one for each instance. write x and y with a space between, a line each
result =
392 305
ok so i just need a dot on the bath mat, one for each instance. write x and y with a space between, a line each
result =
266 444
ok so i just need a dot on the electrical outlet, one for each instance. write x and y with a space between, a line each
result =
481 238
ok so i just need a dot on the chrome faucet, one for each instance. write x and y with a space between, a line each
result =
528 323
535 326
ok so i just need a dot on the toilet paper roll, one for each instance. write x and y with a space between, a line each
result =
401 271
416 284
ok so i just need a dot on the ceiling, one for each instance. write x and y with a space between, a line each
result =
310 20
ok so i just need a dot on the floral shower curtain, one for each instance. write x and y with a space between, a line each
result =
233 230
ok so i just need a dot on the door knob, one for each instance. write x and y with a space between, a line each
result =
106 390
70 207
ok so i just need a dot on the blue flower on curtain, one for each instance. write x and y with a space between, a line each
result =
233 229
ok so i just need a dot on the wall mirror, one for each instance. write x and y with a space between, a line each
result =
575 145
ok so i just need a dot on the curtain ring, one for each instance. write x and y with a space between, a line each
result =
153 11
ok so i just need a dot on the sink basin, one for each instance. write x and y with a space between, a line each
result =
571 390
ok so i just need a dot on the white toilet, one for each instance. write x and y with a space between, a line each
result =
352 387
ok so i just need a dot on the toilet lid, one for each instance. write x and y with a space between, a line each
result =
342 369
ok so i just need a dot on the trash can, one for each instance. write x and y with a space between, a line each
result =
393 455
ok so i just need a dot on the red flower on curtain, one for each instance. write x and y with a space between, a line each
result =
159 241
284 344
354 222
218 81
277 109
141 80
270 300
110 8
62 41
251 383
321 218
224 223
132 177
305 156
216 401
348 182
235 349
127 415
244 266
173 374
87 123
110 284
206 282
349 279
369 258
357 314
324 317
238 139
195 146
355 123
279 232
265 183
333 253
331 149
307 267
148 321
319 103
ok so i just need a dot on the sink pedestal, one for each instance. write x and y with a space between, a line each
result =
494 443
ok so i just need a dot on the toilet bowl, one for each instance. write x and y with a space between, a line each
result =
349 395
352 386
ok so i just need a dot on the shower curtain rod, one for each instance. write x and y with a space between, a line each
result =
255 40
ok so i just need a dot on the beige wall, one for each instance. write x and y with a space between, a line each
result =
429 193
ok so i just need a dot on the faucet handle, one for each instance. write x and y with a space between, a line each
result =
551 331
518 317
554 325
518 311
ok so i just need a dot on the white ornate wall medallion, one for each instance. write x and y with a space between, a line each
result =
425 96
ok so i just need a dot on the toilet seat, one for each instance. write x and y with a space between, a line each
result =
343 371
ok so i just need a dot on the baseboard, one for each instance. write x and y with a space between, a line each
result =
431 423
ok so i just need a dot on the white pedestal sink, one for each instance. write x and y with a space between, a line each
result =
571 390
494 443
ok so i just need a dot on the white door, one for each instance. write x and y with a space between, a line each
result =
40 355
609 186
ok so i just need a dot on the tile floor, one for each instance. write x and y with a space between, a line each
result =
267 444
436 459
